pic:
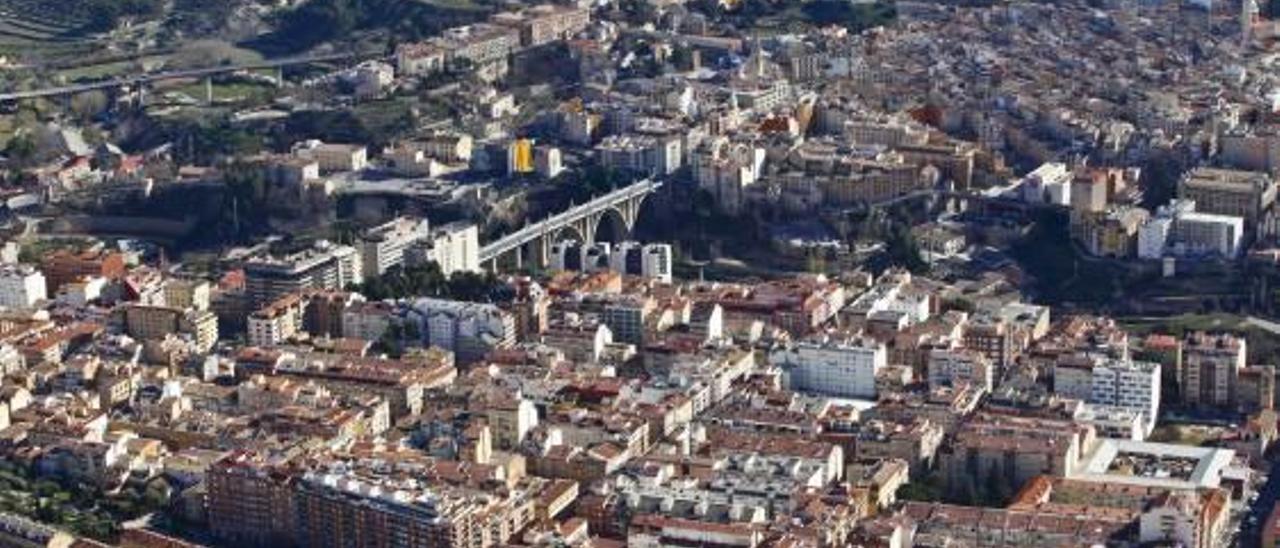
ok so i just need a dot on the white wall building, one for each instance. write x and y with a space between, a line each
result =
454 246
467 329
382 247
1179 230
1128 384
641 153
949 367
629 258
1050 183
333 157
1153 237
1198 233
845 369
21 286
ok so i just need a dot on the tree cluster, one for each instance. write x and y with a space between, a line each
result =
427 280
104 15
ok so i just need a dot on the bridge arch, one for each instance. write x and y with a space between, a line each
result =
612 226
569 232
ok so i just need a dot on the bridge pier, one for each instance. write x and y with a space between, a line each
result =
208 90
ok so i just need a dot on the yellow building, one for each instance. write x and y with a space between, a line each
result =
520 156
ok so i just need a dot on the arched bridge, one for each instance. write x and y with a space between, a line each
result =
581 222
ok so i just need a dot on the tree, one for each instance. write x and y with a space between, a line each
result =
203 54
85 106
903 251
21 151
997 488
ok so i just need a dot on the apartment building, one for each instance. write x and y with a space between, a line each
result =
546 23
1245 194
326 266
419 59
277 322
21 286
367 321
1179 230
194 294
333 157
455 247
643 154
627 317
1128 385
151 322
1211 364
383 247
838 368
952 367
249 501
956 162
469 330
63 267
481 43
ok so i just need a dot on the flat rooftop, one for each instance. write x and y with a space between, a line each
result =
1151 464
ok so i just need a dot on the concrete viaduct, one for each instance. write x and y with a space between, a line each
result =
620 207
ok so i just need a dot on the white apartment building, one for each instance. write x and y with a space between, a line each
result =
641 153
382 247
629 258
456 247
1130 385
367 321
1048 184
949 367
845 369
726 170
1179 230
326 266
1153 237
469 330
657 262
1113 422
333 157
276 323
21 286
1198 233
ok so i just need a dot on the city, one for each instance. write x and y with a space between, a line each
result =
639 273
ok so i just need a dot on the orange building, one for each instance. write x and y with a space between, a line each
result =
65 266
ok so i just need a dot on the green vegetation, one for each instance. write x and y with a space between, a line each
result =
236 92
428 281
1061 274
1181 434
74 506
375 123
855 17
319 21
104 15
928 489
779 14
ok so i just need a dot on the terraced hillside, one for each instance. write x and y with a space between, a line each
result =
56 24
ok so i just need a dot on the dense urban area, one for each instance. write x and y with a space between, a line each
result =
639 273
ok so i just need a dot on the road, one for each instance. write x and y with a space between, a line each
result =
1258 510
1266 325
172 75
